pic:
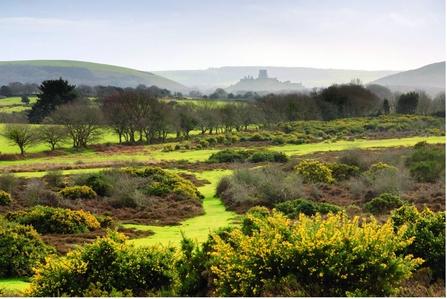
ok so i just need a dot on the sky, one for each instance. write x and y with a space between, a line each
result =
156 35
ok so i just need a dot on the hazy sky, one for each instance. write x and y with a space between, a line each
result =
153 35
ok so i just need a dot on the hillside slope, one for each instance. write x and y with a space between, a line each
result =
430 78
80 72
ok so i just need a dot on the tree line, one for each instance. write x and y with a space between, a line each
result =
143 115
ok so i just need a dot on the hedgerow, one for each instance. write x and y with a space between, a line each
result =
47 220
325 257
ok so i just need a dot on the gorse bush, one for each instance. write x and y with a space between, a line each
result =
326 257
75 192
47 220
21 249
428 230
383 203
314 171
5 198
109 265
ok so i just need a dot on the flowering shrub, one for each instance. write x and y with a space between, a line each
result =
292 208
314 171
341 172
47 220
21 249
428 229
327 257
108 265
75 192
5 198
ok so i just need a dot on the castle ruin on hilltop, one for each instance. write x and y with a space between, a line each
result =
264 84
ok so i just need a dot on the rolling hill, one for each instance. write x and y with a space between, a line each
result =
81 72
430 78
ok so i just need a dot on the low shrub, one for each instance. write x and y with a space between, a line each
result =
21 250
54 178
48 220
342 172
162 182
108 266
428 229
384 203
314 171
204 143
331 257
353 157
9 182
292 208
36 194
168 148
75 192
5 198
265 186
278 140
427 164
98 182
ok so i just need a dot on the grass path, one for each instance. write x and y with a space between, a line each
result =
196 228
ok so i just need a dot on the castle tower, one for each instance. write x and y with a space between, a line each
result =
263 74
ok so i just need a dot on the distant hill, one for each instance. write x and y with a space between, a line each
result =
309 77
430 78
81 72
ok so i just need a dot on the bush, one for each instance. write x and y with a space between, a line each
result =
21 249
385 202
9 182
278 140
204 143
5 198
227 156
353 157
36 194
428 229
75 192
168 148
164 182
48 220
251 187
99 184
314 171
54 178
292 208
326 257
109 265
427 164
342 172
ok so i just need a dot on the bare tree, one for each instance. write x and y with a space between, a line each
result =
82 121
424 103
23 135
52 135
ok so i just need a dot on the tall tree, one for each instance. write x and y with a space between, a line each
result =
53 93
407 103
